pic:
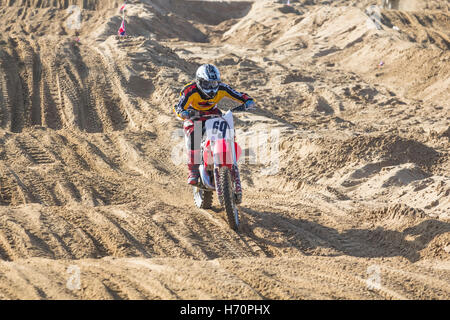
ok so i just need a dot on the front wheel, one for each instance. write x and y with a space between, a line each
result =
227 198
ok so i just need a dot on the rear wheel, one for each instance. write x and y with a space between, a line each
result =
228 199
202 198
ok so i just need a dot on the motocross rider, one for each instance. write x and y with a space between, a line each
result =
203 95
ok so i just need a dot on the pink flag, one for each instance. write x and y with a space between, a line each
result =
122 29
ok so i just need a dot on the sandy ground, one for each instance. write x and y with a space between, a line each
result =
350 200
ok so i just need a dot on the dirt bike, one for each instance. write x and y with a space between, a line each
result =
218 169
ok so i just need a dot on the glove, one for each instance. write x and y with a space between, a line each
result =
249 105
185 115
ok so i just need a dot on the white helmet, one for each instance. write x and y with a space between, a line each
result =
207 78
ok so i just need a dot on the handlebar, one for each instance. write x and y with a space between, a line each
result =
198 116
238 108
195 114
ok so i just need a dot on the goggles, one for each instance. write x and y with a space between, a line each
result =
209 84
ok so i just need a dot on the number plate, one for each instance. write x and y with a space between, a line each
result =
219 128
216 129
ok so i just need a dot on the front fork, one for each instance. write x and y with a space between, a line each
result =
237 184
219 188
234 176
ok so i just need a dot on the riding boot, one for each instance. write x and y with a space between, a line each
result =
193 167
